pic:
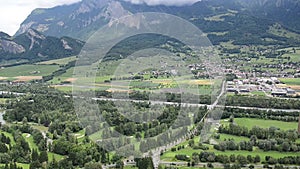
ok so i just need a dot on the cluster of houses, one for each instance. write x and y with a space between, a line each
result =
245 75
267 85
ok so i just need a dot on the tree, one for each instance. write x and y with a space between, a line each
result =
138 135
271 160
34 155
257 159
249 159
4 139
65 164
242 160
210 165
231 119
3 148
253 139
42 145
93 165
120 164
227 166
236 166
61 146
53 164
5 158
144 163
285 146
43 157
232 158
191 142
35 165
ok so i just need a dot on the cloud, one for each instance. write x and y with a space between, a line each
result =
163 2
14 12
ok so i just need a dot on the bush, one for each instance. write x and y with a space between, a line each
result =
182 157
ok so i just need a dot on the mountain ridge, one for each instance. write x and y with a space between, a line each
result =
240 21
88 15
34 46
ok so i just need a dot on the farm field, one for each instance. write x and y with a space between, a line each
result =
12 62
249 123
27 72
64 77
62 61
235 138
290 81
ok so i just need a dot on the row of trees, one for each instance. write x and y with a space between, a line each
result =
238 161
260 114
262 102
63 69
260 133
211 157
232 145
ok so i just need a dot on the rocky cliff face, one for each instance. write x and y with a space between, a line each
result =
8 46
33 45
76 20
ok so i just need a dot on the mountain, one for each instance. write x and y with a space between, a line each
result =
4 35
34 46
286 12
240 21
78 20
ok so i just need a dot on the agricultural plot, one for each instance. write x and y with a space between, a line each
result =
64 77
249 123
230 137
62 61
27 72
291 81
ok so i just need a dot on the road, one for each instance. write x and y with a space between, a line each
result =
194 104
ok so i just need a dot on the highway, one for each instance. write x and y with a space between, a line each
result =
194 105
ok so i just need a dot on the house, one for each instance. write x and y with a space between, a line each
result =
244 90
279 93
230 83
290 91
232 90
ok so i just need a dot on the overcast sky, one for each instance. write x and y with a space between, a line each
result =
14 12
